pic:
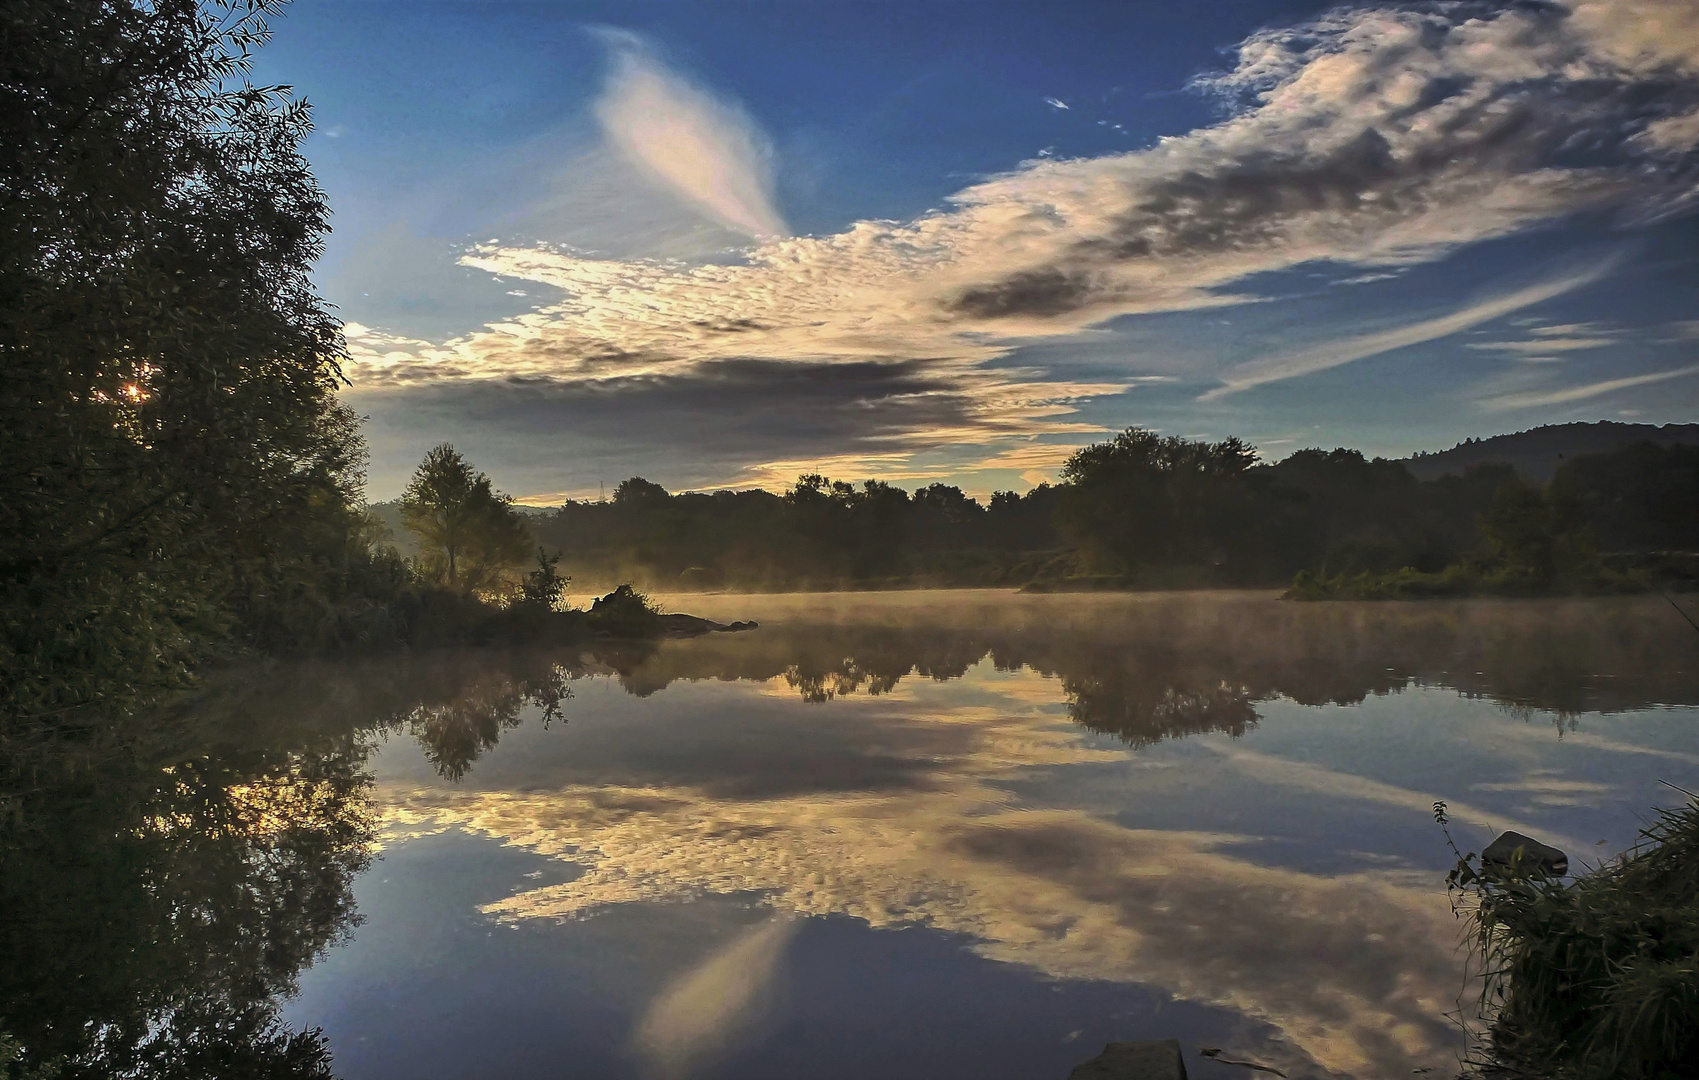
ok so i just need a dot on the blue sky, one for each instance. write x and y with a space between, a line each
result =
722 244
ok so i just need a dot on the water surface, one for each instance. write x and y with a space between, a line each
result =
941 834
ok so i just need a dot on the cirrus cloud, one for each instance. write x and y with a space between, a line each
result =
691 142
1373 138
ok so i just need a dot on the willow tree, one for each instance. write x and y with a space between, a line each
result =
175 472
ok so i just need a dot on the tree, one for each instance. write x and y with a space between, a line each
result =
1144 498
638 490
470 531
176 470
1536 534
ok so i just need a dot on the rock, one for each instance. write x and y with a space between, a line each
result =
1536 858
1158 1059
679 625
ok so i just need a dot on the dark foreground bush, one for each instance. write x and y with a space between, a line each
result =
1598 977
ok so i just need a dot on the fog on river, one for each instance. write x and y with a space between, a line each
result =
930 834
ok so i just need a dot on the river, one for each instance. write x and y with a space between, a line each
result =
903 835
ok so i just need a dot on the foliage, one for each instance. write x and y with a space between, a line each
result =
820 534
1535 541
13 1067
1148 511
544 588
625 612
1145 498
469 532
179 480
162 887
1595 978
1642 498
1536 535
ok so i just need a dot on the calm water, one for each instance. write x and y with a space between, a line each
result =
914 835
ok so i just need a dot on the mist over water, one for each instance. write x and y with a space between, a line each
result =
914 834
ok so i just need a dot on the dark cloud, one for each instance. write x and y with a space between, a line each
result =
681 430
1415 130
1047 292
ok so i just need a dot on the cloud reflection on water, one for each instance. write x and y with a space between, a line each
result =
713 1005
1356 969
909 761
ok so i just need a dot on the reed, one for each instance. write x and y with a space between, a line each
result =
1597 976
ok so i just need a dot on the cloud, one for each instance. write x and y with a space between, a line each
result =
1056 103
1357 970
1569 330
1582 393
1270 769
704 1011
1371 138
721 423
1346 350
704 149
1365 279
1543 341
1545 787
1542 345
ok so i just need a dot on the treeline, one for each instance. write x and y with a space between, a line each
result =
820 534
1144 510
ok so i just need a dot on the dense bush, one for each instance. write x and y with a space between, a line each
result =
180 480
1597 978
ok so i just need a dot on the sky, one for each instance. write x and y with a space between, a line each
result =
722 244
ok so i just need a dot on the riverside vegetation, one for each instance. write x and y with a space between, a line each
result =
1147 511
182 489
1596 978
183 486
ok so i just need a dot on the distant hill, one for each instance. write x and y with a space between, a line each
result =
1537 453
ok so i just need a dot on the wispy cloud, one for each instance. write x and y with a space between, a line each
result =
700 146
1570 330
1346 350
1535 399
1529 349
1374 138
703 1012
1056 103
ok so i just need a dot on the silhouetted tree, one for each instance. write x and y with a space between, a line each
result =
1144 498
1535 533
1639 498
178 476
469 532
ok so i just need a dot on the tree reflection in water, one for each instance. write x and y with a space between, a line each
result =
1170 667
161 891
155 901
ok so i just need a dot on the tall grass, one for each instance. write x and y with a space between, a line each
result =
1595 977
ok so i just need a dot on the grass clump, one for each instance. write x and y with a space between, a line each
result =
1599 976
625 612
